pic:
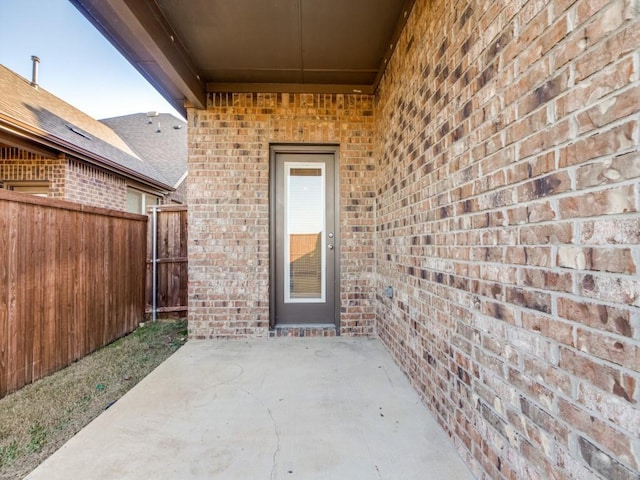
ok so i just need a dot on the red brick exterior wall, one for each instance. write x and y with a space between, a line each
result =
91 186
507 223
179 195
228 196
19 165
68 179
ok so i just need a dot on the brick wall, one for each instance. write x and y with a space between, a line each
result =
228 196
179 195
92 186
507 223
20 165
68 179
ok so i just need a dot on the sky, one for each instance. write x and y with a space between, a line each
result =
77 64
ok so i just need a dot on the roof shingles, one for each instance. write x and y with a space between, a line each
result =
160 139
60 122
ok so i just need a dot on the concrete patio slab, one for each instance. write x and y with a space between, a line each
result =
283 408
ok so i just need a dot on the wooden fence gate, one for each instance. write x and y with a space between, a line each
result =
172 265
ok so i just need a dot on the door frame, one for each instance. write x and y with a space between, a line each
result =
274 150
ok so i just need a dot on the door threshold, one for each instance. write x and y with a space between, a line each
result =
305 330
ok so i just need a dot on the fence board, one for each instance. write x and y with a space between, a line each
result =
4 300
72 280
172 264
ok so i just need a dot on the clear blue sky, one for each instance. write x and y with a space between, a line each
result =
77 63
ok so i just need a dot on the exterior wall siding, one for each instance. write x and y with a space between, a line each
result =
507 223
228 196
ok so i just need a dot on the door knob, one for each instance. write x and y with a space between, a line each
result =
330 246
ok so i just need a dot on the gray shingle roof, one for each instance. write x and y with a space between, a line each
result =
58 121
160 140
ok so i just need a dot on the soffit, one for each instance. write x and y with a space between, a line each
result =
185 48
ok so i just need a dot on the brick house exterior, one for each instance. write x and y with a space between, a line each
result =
66 178
51 146
493 182
241 127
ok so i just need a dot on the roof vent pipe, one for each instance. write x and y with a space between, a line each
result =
34 72
150 116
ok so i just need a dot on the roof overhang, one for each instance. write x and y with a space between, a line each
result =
138 30
26 137
186 49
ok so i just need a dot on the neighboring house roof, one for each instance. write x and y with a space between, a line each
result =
35 115
160 139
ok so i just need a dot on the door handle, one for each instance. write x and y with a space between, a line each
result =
330 246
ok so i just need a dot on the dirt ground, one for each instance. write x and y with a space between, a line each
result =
41 417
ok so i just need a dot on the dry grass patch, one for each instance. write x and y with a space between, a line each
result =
41 417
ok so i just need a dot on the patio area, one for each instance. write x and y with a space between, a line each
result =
282 408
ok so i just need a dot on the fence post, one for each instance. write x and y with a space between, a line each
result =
154 268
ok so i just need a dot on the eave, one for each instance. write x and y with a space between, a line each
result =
138 30
144 31
41 142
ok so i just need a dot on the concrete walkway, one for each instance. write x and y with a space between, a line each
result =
282 408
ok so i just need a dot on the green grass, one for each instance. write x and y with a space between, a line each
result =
41 417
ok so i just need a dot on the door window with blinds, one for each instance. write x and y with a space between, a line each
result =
305 259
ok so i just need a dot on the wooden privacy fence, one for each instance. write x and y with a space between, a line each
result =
172 265
71 281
